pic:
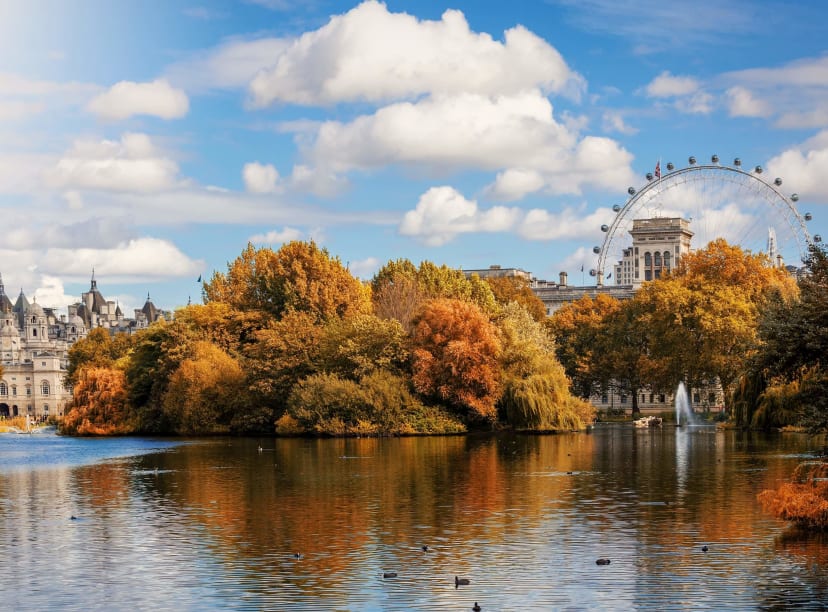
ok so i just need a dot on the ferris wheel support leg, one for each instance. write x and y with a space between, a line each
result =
600 279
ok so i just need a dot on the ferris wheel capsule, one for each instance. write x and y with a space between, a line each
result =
631 191
758 169
737 162
714 158
616 207
605 228
670 166
794 197
596 250
817 238
649 176
593 272
777 181
808 216
692 160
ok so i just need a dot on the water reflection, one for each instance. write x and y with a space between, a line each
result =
218 523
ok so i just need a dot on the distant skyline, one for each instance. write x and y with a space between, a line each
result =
152 140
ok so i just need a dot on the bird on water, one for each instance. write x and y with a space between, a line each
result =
459 581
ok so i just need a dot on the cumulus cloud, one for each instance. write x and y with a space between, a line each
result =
260 178
541 224
364 268
131 164
804 167
371 54
614 122
515 183
127 98
742 103
286 234
136 260
443 212
667 85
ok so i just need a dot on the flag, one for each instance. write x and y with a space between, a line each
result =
199 278
582 267
658 169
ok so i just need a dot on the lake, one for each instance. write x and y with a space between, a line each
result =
306 524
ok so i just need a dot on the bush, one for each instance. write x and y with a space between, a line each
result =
803 501
380 404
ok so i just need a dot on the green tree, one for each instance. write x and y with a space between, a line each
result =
98 349
356 347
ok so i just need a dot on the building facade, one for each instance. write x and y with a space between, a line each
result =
34 347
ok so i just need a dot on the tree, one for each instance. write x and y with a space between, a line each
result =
356 347
577 328
204 392
508 289
99 404
455 357
98 349
298 277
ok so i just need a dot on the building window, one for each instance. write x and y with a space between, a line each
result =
696 398
657 259
661 398
4 390
34 332
711 398
43 363
14 390
28 391
623 399
648 259
45 407
667 259
44 388
642 398
648 275
604 399
651 398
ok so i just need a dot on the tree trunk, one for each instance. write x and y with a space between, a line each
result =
636 411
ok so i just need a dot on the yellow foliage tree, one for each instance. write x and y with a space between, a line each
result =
204 391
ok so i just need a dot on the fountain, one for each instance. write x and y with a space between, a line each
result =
683 408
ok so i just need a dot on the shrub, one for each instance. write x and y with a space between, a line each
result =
543 402
803 501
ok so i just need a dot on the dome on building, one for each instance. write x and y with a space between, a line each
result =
35 310
8 330
76 321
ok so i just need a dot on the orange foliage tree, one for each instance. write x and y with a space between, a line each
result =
99 406
803 501
455 356
508 289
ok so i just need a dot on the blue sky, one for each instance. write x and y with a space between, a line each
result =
152 140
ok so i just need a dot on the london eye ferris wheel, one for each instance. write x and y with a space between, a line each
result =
743 206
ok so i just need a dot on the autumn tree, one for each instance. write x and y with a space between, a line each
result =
99 404
98 349
536 392
222 324
577 328
279 356
455 351
508 289
298 277
399 289
356 347
204 392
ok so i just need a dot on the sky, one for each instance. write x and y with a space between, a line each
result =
151 140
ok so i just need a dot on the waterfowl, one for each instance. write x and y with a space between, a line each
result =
705 548
459 581
425 548
602 562
476 607
297 556
389 574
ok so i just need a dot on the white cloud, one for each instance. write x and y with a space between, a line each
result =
231 65
127 98
667 85
14 110
15 85
364 268
51 293
443 212
134 261
614 122
370 54
515 183
260 178
131 164
700 103
541 224
743 103
286 234
804 167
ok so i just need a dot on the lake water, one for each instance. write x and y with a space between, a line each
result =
216 524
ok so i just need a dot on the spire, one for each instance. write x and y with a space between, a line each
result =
94 282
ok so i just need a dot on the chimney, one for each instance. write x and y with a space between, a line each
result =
562 283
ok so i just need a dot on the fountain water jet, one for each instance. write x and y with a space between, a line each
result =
683 408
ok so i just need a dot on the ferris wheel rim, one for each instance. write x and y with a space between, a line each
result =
753 177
